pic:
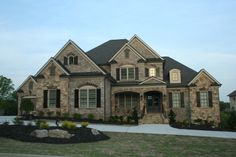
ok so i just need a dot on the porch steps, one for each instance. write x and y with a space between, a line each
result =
153 118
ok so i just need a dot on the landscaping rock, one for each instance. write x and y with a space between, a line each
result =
95 132
39 133
57 133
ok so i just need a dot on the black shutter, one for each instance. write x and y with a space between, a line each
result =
146 72
76 97
136 74
76 60
157 72
98 97
65 61
58 100
117 73
45 98
210 99
182 99
170 100
198 100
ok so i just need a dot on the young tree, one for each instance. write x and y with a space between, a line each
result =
6 88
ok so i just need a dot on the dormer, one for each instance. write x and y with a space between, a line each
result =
175 76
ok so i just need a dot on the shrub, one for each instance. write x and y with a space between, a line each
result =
172 116
232 120
40 113
135 115
17 121
58 113
77 116
84 124
114 119
66 115
26 106
91 116
43 125
68 125
50 113
38 122
5 123
121 119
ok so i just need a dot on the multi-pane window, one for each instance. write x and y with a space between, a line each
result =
152 72
175 76
176 99
88 98
128 100
127 73
71 60
204 99
52 98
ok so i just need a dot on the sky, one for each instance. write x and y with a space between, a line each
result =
199 34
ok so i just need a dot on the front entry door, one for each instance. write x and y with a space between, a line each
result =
153 103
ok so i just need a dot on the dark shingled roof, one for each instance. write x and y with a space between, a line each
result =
187 74
232 94
104 52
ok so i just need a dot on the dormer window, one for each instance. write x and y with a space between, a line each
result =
175 76
70 60
152 72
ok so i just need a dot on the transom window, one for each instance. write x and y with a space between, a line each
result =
152 72
204 99
127 73
88 98
52 98
176 99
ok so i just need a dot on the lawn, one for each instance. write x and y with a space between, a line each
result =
126 144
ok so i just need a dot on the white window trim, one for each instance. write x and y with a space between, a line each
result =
49 98
127 72
178 73
87 88
207 99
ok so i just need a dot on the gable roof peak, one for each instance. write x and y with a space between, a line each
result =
146 45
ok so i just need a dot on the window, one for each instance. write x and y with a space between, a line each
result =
88 97
71 60
127 73
204 99
152 72
52 98
127 100
175 76
176 99
31 86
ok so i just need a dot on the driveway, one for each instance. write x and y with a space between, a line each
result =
164 129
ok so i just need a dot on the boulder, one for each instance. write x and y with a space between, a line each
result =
57 133
39 133
95 132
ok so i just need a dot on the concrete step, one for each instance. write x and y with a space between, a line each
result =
153 118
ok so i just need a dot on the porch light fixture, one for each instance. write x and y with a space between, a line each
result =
141 97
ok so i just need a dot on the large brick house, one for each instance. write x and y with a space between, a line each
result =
117 76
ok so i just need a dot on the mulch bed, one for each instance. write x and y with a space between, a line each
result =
22 133
199 127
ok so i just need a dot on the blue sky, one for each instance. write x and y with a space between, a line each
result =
199 34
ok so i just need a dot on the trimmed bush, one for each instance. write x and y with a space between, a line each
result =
68 125
43 125
77 116
84 124
172 116
66 115
91 116
17 121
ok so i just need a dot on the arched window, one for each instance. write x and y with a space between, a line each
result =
175 76
71 60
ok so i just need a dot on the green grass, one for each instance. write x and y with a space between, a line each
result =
125 144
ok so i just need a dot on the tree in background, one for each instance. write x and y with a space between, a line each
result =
8 99
224 106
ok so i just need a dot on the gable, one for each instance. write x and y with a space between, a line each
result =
83 62
24 87
204 79
153 80
121 55
143 48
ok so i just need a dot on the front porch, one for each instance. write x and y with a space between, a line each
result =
150 103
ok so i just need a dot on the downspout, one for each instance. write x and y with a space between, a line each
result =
104 98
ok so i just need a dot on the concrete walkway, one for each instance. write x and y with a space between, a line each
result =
164 129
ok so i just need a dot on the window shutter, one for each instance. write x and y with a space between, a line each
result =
76 97
136 74
170 100
210 98
58 100
158 72
98 97
76 60
45 98
182 99
117 73
65 61
146 72
198 99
